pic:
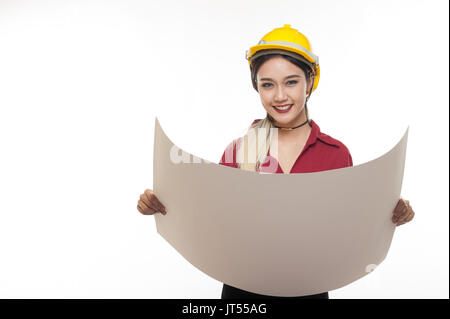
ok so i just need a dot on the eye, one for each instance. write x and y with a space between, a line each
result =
264 84
293 81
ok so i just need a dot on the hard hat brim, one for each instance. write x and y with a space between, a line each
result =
256 48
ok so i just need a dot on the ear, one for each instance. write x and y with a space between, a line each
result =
310 84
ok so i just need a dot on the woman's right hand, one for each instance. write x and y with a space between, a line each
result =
149 204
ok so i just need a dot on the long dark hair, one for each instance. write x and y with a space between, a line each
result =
257 62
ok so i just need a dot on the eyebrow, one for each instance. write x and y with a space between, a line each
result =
288 77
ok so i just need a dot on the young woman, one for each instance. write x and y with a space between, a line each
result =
284 72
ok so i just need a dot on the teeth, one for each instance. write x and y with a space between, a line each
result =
283 107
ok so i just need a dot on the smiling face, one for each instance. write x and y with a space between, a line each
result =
283 84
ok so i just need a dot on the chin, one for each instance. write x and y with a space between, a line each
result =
283 119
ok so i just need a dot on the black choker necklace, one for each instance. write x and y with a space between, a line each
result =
290 128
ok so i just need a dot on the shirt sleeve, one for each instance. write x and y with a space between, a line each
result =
350 160
340 158
229 155
344 159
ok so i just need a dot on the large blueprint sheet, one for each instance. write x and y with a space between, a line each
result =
278 234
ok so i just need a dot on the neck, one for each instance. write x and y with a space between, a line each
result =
296 132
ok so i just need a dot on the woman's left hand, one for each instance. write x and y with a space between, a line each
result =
403 212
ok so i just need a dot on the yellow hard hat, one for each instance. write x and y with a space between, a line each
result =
286 40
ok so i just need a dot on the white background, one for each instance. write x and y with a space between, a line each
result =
82 81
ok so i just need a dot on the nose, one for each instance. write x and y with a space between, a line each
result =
280 94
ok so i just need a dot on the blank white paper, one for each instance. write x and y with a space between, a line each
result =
278 234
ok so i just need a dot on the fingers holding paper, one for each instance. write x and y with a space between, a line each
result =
149 204
403 212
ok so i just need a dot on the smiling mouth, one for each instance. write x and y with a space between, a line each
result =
283 108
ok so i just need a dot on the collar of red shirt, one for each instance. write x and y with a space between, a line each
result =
315 134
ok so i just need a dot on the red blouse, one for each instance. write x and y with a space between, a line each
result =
320 153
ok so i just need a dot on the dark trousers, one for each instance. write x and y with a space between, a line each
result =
230 292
